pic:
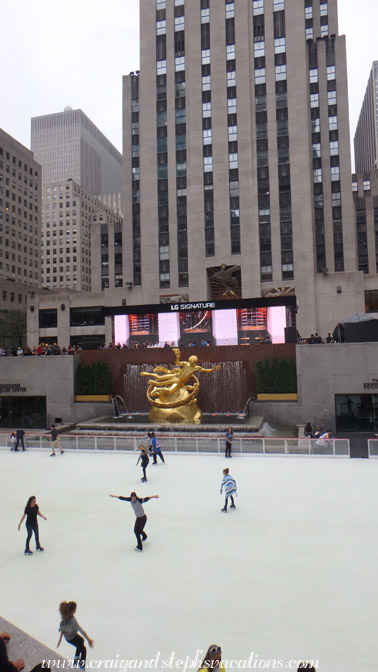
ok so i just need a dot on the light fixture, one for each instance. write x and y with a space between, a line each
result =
123 302
32 309
338 289
62 306
129 284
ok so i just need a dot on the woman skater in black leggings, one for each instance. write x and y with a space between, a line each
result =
144 459
70 628
31 513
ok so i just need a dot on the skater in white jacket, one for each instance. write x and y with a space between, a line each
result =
229 485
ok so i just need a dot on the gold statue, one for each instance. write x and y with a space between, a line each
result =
172 398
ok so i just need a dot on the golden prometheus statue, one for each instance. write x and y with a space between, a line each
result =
172 392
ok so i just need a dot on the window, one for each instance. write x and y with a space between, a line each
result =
48 318
258 7
331 72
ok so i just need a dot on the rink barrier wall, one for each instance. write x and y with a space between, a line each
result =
373 447
245 445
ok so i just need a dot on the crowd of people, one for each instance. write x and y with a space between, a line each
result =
44 349
315 339
41 350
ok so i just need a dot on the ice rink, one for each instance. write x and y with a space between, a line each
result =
291 574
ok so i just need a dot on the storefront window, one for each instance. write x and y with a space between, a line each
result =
23 412
356 412
84 317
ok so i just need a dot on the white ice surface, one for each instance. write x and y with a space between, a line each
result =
291 574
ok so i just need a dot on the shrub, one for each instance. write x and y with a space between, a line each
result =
93 378
276 377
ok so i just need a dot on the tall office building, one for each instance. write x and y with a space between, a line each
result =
81 240
237 156
366 136
20 225
69 146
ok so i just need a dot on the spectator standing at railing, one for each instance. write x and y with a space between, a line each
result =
229 439
20 439
55 443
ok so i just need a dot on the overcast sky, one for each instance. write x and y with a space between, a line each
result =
75 53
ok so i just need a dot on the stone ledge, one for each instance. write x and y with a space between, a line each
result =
24 646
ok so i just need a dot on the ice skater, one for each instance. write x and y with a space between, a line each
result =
31 513
13 441
144 460
229 439
156 450
55 443
141 518
70 628
229 485
20 439
213 659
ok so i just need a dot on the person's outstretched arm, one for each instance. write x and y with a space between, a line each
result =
89 640
125 499
22 520
42 516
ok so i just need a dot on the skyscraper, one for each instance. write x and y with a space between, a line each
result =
20 223
69 146
237 155
366 136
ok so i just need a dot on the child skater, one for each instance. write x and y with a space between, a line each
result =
141 518
229 489
31 513
144 460
70 628
13 441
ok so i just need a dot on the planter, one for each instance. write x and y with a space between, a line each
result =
93 397
278 397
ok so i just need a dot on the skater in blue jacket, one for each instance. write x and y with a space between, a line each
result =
156 450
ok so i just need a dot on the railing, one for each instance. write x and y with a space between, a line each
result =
373 447
244 445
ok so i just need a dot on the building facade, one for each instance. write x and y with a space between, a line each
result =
366 136
20 225
365 195
81 240
237 156
69 146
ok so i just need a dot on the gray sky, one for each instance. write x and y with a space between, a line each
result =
75 53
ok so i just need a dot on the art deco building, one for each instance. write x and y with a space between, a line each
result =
69 146
365 193
366 136
237 156
20 226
